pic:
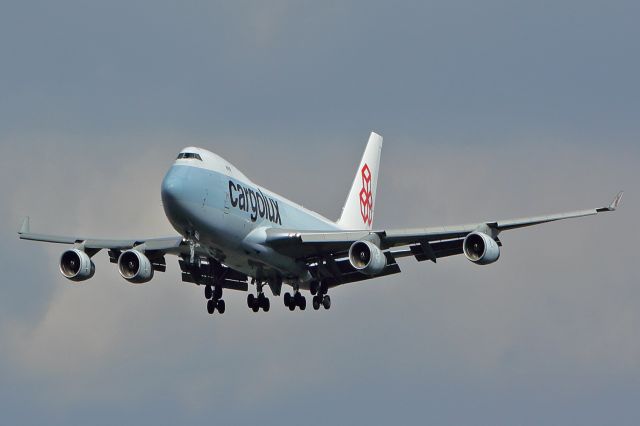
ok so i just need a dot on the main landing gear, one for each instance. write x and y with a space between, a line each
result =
214 299
261 301
320 296
297 300
319 300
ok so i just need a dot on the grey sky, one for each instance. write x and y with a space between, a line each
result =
489 110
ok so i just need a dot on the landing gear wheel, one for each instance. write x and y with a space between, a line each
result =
217 292
211 306
220 306
316 303
326 301
287 299
323 289
208 293
251 301
314 287
302 303
263 302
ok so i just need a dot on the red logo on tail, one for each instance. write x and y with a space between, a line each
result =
366 196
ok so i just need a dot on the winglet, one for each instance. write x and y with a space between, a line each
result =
616 201
614 204
25 228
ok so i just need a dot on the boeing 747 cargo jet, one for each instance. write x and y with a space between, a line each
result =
234 233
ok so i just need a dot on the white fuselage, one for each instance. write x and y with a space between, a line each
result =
209 201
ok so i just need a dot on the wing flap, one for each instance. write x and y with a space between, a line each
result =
343 273
187 277
214 274
438 250
357 276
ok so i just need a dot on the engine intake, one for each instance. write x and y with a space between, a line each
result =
367 258
76 265
480 248
135 267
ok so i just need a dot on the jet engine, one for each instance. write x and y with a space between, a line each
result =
135 267
481 248
367 258
76 265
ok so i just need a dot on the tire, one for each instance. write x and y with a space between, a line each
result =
287 299
326 302
313 287
255 307
221 306
323 289
292 305
316 303
251 301
208 292
211 306
302 303
217 293
266 304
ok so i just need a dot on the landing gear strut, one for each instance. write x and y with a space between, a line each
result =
212 293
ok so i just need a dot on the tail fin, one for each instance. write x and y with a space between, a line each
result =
357 212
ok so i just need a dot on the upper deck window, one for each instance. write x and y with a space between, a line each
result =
187 155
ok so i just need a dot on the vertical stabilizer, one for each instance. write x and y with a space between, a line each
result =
357 212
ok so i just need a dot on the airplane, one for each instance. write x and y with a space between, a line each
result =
234 233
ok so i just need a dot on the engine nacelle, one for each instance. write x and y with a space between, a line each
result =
481 248
135 267
367 258
76 265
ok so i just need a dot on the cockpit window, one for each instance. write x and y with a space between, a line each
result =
186 155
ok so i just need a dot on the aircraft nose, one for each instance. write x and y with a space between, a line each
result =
173 188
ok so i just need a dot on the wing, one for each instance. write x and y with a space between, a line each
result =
164 244
205 272
328 250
